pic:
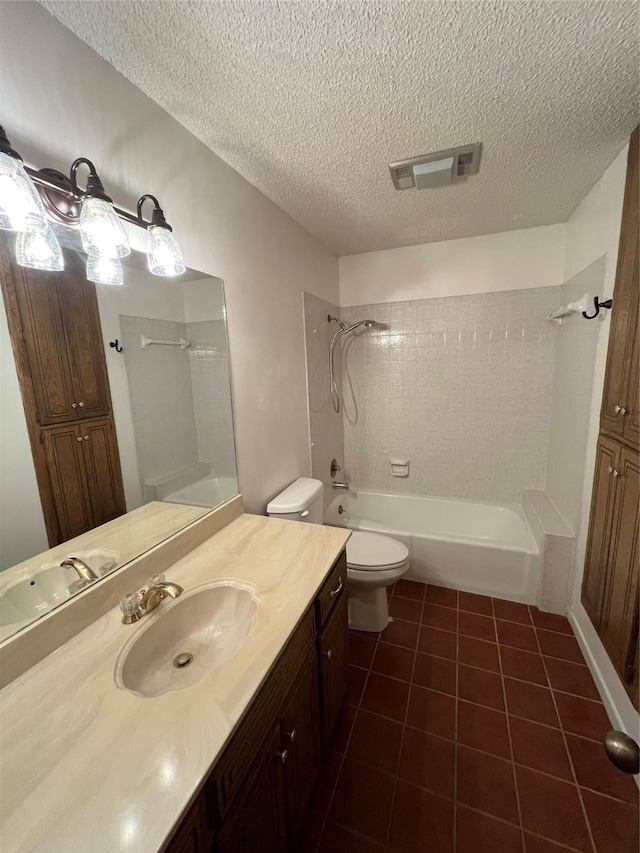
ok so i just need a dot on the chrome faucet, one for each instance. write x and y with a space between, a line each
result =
343 486
84 571
135 605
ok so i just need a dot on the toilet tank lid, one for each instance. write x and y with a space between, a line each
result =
296 497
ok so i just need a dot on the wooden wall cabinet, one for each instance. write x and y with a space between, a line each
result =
610 582
256 795
57 341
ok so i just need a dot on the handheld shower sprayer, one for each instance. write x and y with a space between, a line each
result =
343 330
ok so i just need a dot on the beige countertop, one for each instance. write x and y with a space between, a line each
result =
88 767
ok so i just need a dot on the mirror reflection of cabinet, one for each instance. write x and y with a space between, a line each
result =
59 352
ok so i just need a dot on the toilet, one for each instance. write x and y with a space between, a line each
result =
374 561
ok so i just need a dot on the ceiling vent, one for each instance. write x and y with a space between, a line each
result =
437 170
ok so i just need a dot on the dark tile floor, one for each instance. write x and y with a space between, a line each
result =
471 725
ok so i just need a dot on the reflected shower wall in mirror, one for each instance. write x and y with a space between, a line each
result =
117 426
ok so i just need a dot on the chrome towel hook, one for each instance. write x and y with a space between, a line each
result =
597 305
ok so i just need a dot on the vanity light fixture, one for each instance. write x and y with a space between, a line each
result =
30 198
163 252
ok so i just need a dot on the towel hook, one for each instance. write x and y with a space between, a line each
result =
597 305
115 345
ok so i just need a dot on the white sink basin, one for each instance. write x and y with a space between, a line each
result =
38 591
207 626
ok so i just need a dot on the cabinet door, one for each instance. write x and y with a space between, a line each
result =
333 645
63 448
619 612
602 504
190 836
84 341
618 387
104 477
300 726
257 823
631 420
42 328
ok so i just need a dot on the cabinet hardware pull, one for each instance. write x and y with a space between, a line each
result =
81 404
620 410
337 590
283 755
613 471
292 735
74 405
79 438
328 654
86 438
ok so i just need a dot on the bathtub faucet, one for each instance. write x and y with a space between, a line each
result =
343 486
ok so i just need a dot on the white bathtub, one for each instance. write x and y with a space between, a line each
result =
475 547
210 491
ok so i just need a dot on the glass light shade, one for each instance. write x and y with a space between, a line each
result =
104 270
39 249
101 229
163 252
21 207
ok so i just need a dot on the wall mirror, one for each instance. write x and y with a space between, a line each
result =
116 427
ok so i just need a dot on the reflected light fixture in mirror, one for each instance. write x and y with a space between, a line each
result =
104 270
39 249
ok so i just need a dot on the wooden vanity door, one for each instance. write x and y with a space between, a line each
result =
79 308
333 644
64 453
102 465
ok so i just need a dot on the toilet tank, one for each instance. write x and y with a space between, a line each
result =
301 501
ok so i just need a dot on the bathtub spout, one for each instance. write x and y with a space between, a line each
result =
343 486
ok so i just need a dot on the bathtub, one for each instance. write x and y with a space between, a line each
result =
483 548
210 491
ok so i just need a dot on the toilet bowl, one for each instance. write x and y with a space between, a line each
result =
374 561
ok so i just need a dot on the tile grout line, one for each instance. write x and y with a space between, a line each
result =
404 728
513 763
568 752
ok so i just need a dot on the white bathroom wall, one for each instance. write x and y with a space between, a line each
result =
511 260
593 232
326 434
70 103
460 386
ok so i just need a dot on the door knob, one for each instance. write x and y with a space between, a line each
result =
623 751
81 404
283 756
613 471
86 438
79 438
620 410
74 405
292 735
328 654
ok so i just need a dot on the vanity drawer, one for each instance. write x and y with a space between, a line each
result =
232 770
332 590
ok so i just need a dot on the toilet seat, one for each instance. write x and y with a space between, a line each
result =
375 552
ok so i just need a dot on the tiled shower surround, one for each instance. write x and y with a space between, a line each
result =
460 386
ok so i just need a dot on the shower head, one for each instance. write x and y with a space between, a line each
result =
368 324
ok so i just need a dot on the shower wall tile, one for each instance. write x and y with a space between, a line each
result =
325 426
462 386
161 397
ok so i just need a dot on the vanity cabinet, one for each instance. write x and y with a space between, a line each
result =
258 790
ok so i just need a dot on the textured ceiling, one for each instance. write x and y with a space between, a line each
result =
311 100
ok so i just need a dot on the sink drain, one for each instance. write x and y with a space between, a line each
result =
182 660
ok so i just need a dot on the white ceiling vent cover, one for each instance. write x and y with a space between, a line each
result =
437 170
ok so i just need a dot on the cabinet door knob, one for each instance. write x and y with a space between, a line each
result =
283 755
74 405
337 590
613 472
79 438
86 438
328 654
81 404
620 410
292 735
